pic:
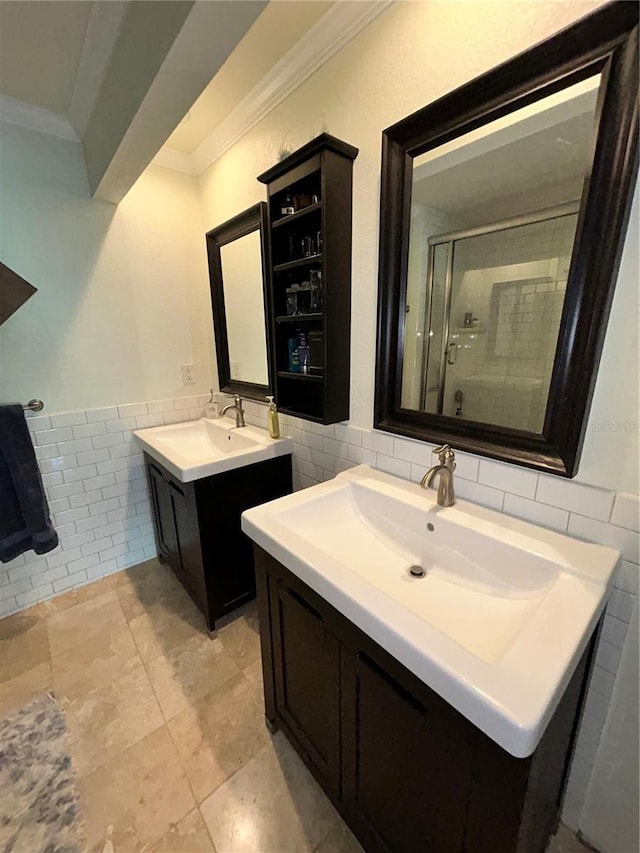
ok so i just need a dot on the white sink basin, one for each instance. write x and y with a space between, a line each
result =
201 448
498 623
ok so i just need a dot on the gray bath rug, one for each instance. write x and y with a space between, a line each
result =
38 803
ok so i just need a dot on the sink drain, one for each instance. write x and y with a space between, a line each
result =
417 571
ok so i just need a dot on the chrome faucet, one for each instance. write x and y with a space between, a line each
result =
445 469
237 405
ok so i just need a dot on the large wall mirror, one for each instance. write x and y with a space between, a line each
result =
238 271
503 211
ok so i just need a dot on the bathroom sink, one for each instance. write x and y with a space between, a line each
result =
201 448
496 623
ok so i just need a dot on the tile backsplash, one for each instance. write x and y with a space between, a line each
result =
94 477
93 474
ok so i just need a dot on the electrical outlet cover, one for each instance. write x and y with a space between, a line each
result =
188 374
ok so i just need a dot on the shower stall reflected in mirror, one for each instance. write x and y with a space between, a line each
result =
487 330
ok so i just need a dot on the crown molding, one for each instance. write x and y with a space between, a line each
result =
171 158
36 118
341 23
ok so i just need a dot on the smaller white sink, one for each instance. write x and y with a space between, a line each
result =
501 617
205 447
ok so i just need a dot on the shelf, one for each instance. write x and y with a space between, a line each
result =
294 318
292 217
301 413
305 377
322 169
301 262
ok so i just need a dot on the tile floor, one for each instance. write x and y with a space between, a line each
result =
166 725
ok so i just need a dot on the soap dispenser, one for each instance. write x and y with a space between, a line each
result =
272 419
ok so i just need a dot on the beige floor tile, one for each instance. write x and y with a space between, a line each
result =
566 841
254 673
18 691
190 835
24 644
141 795
241 637
164 627
85 593
219 733
271 804
77 624
339 840
189 671
150 584
96 662
108 720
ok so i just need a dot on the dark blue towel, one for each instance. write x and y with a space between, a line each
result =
24 514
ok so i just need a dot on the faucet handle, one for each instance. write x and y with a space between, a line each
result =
444 453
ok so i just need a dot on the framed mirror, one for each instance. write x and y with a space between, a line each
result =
503 212
238 253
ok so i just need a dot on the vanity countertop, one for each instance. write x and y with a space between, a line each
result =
208 446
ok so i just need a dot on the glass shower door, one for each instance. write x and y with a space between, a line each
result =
494 306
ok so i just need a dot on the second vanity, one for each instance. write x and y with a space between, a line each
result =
202 475
437 712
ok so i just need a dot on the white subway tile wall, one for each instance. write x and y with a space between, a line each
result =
97 491
94 478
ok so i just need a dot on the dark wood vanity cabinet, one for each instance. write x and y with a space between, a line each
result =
407 772
309 211
197 529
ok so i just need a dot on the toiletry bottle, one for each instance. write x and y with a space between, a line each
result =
294 364
303 351
272 419
287 205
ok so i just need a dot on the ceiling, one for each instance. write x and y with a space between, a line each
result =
176 83
535 171
280 26
40 48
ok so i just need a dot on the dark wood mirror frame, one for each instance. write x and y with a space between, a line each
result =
605 42
252 219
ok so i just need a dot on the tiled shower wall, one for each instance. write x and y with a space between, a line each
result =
94 477
93 474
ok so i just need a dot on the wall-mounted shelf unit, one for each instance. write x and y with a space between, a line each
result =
311 278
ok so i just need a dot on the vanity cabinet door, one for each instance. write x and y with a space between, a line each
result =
162 506
407 763
307 680
188 563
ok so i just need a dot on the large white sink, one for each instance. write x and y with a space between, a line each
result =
201 448
500 620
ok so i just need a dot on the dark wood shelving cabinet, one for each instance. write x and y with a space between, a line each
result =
408 773
311 248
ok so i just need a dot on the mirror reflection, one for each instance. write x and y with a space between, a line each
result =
241 262
493 222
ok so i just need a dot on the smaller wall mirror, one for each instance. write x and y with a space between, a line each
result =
238 253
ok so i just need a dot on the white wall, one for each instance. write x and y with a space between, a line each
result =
610 822
122 296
